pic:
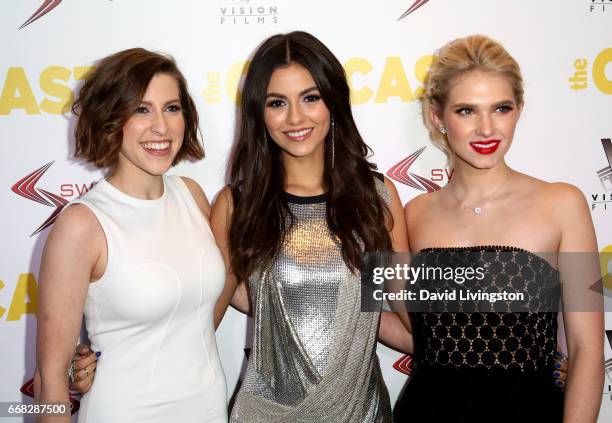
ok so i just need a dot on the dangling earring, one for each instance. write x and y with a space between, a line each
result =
442 130
333 146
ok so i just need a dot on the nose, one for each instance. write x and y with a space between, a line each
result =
485 125
159 125
295 115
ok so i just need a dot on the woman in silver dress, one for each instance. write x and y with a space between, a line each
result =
302 205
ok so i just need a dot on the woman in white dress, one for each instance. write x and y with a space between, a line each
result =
136 256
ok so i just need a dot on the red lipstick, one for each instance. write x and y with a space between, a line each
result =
485 146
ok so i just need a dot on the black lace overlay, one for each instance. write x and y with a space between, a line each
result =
493 340
487 366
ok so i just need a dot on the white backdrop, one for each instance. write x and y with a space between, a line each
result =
564 48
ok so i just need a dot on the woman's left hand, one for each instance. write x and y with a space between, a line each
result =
85 362
560 372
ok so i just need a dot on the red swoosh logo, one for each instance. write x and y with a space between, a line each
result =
417 4
400 173
26 188
46 7
429 185
59 204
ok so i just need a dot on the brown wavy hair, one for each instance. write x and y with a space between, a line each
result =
261 218
111 93
462 55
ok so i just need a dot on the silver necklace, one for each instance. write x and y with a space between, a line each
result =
478 210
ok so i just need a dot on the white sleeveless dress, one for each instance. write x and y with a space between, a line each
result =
151 314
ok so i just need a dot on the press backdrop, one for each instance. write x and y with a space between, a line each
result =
564 48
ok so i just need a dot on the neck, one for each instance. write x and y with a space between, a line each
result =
137 184
304 175
474 185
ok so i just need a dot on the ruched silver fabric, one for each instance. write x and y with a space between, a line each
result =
314 352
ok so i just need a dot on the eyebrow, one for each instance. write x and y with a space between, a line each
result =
301 93
499 103
148 103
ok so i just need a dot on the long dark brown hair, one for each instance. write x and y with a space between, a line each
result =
355 212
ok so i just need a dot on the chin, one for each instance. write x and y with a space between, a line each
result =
480 162
300 152
157 170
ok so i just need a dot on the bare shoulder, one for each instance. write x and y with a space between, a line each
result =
223 201
198 194
566 203
390 185
76 228
569 208
567 195
557 198
76 221
222 209
419 204
220 215
392 190
561 192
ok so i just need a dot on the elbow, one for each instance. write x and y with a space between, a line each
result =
589 360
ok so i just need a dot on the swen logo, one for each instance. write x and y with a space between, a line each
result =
401 173
417 4
46 7
26 188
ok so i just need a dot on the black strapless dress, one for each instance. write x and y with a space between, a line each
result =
485 366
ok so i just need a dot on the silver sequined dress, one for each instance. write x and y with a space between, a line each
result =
314 352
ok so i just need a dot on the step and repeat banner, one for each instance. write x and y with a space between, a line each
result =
563 47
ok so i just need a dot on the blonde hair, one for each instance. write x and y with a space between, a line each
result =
460 56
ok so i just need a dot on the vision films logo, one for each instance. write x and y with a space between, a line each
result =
600 6
401 173
46 7
608 367
26 187
603 200
245 12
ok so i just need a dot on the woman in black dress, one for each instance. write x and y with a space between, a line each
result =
495 367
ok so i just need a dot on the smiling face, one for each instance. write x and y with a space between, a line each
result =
296 117
480 116
153 136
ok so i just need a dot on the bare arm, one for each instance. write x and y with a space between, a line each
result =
393 333
74 248
394 327
220 221
240 300
584 329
